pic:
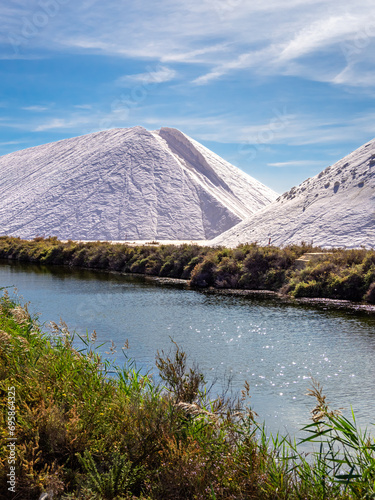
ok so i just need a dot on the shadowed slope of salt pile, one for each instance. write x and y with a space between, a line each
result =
336 208
125 184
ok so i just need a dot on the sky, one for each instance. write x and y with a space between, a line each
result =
279 89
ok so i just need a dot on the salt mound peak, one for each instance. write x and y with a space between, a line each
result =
123 184
336 208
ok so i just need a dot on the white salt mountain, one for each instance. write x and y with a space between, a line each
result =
336 208
125 184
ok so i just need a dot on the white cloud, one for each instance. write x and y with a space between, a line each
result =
296 163
11 143
73 123
56 123
154 75
195 56
83 106
355 75
281 128
330 40
226 36
35 108
321 34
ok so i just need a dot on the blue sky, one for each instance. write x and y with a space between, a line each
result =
280 90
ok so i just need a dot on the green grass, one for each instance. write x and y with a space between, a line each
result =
83 434
341 274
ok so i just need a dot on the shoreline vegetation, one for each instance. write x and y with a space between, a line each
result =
338 274
80 433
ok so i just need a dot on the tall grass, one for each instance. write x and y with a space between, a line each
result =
349 453
84 434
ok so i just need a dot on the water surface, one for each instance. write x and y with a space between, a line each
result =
275 346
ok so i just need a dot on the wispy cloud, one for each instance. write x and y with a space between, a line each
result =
36 108
73 123
159 74
223 37
83 106
195 56
296 163
320 35
290 129
11 143
329 39
246 60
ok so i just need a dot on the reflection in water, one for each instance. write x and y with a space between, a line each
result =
275 346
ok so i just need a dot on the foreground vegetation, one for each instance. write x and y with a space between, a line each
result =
342 274
84 434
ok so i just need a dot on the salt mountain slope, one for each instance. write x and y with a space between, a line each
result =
124 184
336 208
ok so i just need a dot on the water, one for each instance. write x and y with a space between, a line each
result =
276 347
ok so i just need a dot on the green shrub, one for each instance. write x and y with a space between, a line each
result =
310 289
350 286
369 261
204 273
139 266
188 268
227 272
274 279
370 294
